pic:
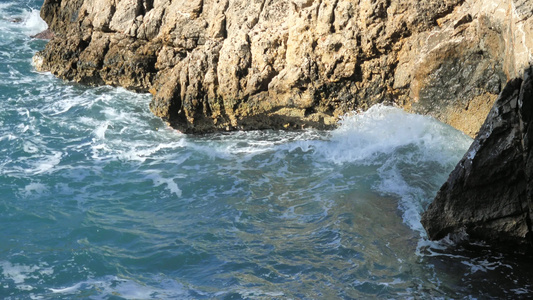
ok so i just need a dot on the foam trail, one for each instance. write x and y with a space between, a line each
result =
112 286
159 180
35 188
68 290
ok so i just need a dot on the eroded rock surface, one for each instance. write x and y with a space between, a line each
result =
251 64
489 194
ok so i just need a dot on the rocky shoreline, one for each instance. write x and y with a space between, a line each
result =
230 65
217 65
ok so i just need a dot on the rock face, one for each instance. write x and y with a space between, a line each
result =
253 64
489 194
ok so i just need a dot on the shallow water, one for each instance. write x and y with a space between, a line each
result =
101 200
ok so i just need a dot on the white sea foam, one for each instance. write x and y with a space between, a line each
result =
20 273
483 265
419 155
34 188
30 147
8 137
170 183
17 273
68 290
27 20
244 146
99 132
363 136
142 152
412 152
120 132
47 163
394 282
33 23
522 291
258 294
3 6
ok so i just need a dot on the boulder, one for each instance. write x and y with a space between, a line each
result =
489 193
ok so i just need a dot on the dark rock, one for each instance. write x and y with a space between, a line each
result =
489 194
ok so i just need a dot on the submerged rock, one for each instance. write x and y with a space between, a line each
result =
44 35
225 64
489 194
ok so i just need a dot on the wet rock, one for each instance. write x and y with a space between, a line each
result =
44 35
252 64
489 194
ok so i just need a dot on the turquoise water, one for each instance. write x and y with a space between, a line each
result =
101 200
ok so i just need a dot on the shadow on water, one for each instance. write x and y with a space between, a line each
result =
477 270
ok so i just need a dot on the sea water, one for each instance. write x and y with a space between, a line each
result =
99 199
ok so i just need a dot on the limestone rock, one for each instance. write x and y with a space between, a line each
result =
489 194
253 64
60 14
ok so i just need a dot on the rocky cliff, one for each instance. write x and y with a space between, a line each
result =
251 64
489 194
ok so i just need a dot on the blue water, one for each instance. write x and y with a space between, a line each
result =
101 200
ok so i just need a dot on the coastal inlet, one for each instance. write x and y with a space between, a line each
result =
99 199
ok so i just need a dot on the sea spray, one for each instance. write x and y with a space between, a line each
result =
32 22
412 152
